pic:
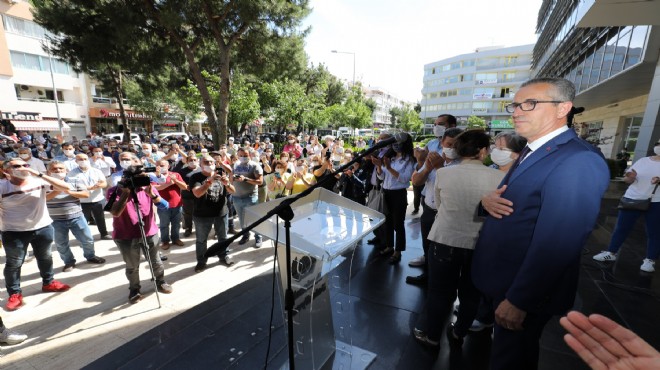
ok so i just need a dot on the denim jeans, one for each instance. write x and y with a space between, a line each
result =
130 251
203 227
15 244
240 204
625 223
95 210
449 272
80 231
167 217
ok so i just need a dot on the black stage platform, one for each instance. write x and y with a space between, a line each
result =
231 330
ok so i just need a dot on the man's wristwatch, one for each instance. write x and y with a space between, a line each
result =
40 174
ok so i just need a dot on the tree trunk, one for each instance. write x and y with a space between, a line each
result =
219 132
116 79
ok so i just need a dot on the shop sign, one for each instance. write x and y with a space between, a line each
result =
21 116
115 113
479 110
501 123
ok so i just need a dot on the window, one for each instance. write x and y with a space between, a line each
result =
621 48
51 96
637 42
456 65
37 63
22 27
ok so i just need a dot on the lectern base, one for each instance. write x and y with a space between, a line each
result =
346 357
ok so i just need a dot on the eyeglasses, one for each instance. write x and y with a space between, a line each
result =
20 165
528 105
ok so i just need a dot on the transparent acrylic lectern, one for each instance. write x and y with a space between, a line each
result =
325 229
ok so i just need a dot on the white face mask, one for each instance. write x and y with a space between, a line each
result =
450 153
146 151
83 164
58 175
192 164
20 174
315 163
438 131
68 152
24 156
291 141
300 168
98 154
125 164
501 157
656 150
243 160
210 168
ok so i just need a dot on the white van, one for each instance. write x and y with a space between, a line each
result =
135 138
171 136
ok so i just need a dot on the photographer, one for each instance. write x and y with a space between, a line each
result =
210 188
324 169
126 228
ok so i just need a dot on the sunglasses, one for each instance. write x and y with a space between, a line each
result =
20 165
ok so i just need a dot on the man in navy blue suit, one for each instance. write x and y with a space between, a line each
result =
527 257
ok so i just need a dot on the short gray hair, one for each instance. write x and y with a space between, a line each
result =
563 89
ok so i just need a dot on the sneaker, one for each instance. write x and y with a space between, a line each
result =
134 296
244 239
165 246
648 265
15 301
164 288
258 242
232 231
55 286
163 257
605 256
226 260
418 262
11 337
68 267
96 260
106 237
479 326
178 242
199 267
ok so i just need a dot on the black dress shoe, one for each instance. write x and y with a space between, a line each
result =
453 340
417 280
421 337
372 241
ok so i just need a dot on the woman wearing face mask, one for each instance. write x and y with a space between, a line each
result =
395 169
457 193
300 180
508 146
290 167
276 181
643 177
314 147
292 147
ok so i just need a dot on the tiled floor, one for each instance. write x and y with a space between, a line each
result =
212 321
383 311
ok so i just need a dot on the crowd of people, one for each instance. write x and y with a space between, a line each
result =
509 269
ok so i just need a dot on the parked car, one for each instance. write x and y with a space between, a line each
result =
135 138
172 136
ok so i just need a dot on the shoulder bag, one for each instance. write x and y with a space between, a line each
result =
637 204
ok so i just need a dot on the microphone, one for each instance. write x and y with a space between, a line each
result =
399 137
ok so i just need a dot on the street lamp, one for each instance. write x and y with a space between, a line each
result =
353 54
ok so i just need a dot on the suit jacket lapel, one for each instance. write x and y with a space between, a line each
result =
540 153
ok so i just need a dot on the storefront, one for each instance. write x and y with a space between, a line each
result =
108 120
32 122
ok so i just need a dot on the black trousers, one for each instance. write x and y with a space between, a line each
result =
188 207
94 211
425 224
396 202
517 350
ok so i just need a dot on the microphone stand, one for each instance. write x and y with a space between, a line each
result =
285 212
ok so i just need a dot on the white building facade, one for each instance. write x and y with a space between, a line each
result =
477 84
28 97
385 101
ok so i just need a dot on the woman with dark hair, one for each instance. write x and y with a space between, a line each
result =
458 191
395 169
508 146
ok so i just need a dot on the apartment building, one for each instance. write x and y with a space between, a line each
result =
476 84
385 101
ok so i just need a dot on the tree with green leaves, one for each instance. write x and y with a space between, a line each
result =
476 123
410 121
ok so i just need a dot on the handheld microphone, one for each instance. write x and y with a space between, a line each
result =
399 137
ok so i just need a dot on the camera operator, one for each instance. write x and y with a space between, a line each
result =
210 188
126 228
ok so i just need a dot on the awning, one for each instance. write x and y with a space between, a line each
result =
39 125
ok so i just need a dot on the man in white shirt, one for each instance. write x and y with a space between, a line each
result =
94 180
26 155
25 220
102 163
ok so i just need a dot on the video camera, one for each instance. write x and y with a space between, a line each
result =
135 176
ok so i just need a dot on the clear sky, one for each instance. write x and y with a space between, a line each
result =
393 39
